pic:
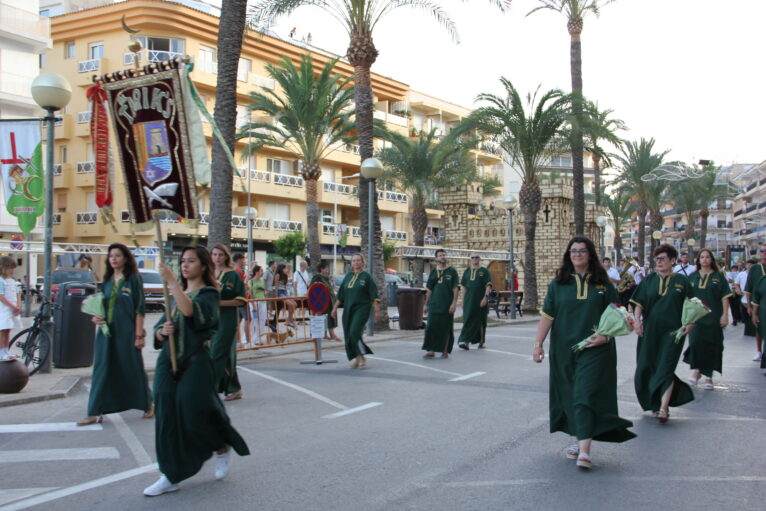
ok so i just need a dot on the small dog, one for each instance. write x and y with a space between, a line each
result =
278 337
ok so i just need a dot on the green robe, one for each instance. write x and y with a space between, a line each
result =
583 384
474 315
356 294
224 343
758 297
191 421
705 351
440 335
119 380
657 352
754 277
327 281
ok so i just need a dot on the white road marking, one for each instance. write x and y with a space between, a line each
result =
376 357
89 453
528 357
511 337
621 479
134 444
352 410
79 488
468 376
47 427
295 387
10 494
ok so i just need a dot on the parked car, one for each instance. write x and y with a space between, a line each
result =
62 275
153 293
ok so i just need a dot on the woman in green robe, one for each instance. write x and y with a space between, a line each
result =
358 294
583 384
441 301
477 284
758 297
322 276
660 297
224 343
119 381
191 421
705 352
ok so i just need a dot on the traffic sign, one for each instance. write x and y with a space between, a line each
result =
319 298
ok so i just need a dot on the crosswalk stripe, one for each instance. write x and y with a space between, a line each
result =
47 427
91 453
12 494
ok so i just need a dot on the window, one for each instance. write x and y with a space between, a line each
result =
90 201
95 50
45 13
160 49
245 65
62 154
328 174
327 217
278 166
42 60
387 223
278 211
561 161
243 115
89 153
207 59
69 50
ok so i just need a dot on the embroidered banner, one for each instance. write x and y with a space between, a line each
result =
22 171
151 132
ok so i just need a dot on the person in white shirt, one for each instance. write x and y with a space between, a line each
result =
638 273
301 280
683 267
612 273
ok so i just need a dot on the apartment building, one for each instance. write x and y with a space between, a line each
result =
91 41
749 217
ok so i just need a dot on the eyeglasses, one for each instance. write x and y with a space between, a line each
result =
581 251
475 257
762 250
659 259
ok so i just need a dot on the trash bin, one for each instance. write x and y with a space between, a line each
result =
391 288
73 331
410 301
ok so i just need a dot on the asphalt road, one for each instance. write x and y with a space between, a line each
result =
470 432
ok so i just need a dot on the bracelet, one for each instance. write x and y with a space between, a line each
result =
538 345
140 336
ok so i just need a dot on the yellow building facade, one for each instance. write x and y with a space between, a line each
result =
92 42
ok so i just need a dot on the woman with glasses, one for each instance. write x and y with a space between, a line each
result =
705 352
583 384
658 302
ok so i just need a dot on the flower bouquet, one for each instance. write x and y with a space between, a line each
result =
94 305
693 310
615 320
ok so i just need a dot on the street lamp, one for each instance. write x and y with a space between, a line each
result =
601 222
690 242
371 170
52 92
250 214
510 202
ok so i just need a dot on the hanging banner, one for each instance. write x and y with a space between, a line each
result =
151 133
22 171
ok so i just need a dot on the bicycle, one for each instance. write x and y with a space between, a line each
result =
32 346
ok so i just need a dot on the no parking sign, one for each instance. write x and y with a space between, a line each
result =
319 298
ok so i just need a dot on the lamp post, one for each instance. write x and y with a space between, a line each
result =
690 243
601 222
510 202
52 92
371 170
251 214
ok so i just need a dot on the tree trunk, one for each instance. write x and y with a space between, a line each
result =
575 53
656 225
617 247
419 226
312 222
641 233
230 35
530 198
703 228
597 178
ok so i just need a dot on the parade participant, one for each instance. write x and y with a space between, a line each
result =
441 301
660 298
257 288
477 284
758 298
583 384
10 306
739 286
223 346
322 276
754 276
683 267
357 294
705 352
627 283
191 421
734 303
119 381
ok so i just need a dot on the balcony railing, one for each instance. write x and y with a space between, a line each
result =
18 85
83 117
395 196
241 222
287 225
355 232
150 56
58 169
85 167
260 175
329 229
86 217
56 218
88 66
350 148
288 180
395 235
25 21
340 188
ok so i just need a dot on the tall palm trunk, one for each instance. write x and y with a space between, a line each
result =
419 226
312 219
361 55
575 54
617 246
704 214
233 16
597 178
656 225
530 198
641 210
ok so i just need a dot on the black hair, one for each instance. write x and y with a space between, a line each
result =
713 264
208 277
436 253
321 266
130 262
236 257
669 250
597 272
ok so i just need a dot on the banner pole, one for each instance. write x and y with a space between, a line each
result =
27 262
168 312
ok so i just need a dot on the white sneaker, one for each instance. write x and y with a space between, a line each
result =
222 464
758 356
161 486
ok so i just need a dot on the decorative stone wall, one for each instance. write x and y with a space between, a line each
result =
473 226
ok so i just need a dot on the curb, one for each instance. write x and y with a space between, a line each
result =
66 386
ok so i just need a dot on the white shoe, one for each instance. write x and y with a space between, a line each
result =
161 486
222 462
584 461
758 356
573 451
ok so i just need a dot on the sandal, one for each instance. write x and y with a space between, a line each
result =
233 397
445 355
708 384
149 414
87 421
691 380
481 346
354 364
463 346
663 415
584 461
430 354
572 452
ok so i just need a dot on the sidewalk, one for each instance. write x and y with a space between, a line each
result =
61 383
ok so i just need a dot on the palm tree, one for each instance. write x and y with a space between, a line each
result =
230 36
423 165
527 133
710 188
575 12
656 197
619 209
359 18
600 127
684 195
638 160
312 116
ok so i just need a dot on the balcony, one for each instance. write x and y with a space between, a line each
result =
85 173
62 175
287 225
62 128
62 225
27 28
288 180
88 224
240 222
392 196
344 189
15 89
146 56
260 176
87 68
395 235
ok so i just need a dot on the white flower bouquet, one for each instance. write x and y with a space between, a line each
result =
94 305
615 321
692 311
